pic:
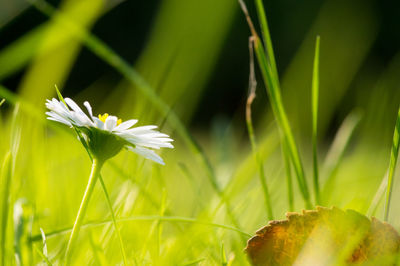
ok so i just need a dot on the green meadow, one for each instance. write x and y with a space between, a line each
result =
273 106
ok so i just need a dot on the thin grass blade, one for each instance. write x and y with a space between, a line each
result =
337 150
315 92
392 165
5 200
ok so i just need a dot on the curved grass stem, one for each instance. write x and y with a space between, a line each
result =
392 165
121 243
94 175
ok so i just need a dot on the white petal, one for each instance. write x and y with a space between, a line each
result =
110 123
98 123
125 125
63 121
88 107
59 111
141 130
73 105
148 154
78 114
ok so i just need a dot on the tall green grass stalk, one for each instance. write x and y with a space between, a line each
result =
269 50
392 165
377 199
5 199
114 220
288 169
43 256
273 89
314 100
250 129
336 151
7 173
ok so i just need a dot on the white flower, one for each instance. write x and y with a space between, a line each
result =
106 134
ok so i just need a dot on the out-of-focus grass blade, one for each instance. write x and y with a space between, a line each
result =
98 253
14 99
10 10
2 101
43 256
44 253
194 262
174 48
249 167
29 109
392 165
61 42
315 92
6 175
336 151
378 196
224 261
348 29
18 54
273 90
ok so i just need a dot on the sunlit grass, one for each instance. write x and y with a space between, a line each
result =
195 210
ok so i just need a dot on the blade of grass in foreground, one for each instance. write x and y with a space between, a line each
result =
315 92
392 165
5 184
43 256
108 55
336 152
373 207
177 219
262 18
273 89
288 169
251 97
6 180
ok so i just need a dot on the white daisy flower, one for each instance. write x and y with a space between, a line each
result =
106 135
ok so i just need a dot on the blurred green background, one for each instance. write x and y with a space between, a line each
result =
194 55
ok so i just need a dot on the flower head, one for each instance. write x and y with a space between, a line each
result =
106 135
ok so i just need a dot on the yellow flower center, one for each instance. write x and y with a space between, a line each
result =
104 117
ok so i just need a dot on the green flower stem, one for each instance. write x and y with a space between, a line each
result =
94 175
83 141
